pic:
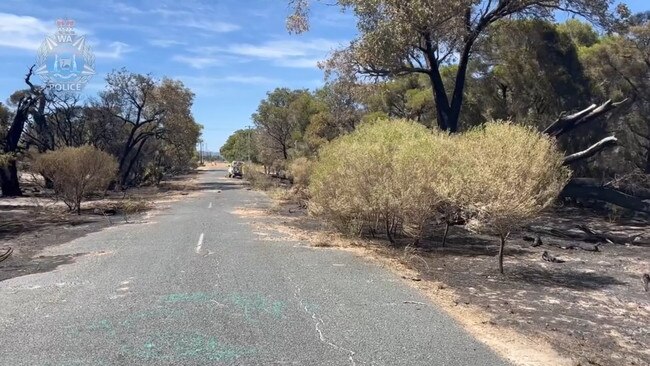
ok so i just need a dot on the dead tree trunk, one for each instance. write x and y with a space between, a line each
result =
32 103
581 188
9 180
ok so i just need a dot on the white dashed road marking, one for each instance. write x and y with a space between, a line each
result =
199 244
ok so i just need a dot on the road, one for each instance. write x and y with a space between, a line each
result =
196 286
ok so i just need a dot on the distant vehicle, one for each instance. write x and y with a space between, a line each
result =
235 169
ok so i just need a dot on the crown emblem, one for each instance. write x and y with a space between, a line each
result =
65 26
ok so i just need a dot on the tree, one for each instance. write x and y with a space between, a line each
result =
582 34
61 124
240 146
532 78
337 110
282 118
176 146
130 98
620 67
28 103
399 37
406 97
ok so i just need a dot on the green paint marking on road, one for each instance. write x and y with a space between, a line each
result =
252 305
174 347
278 309
257 305
161 313
196 297
103 326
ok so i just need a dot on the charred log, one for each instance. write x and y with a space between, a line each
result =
585 234
572 246
587 189
564 234
601 237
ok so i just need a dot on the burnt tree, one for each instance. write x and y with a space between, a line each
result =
590 188
130 99
31 104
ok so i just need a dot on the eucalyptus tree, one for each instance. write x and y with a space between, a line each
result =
400 37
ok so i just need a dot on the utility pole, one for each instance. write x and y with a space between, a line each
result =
250 132
201 152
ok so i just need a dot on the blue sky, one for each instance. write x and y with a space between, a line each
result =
230 52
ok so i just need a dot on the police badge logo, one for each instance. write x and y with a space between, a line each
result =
65 61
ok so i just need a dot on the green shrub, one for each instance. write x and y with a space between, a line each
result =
77 172
506 174
378 176
401 177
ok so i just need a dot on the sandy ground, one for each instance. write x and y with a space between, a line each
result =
589 310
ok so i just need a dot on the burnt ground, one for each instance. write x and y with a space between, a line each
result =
591 308
35 221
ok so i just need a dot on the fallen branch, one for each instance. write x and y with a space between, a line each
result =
549 258
608 238
571 246
6 254
565 124
592 150
537 241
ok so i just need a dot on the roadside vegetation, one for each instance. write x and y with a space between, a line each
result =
456 130
69 166
144 124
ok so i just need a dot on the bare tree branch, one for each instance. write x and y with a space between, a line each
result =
565 124
592 150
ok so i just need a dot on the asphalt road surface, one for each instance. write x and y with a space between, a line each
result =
196 286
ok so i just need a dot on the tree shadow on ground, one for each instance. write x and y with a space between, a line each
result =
15 267
224 186
469 246
15 223
566 278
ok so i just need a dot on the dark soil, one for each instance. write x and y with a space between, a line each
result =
592 307
28 232
34 222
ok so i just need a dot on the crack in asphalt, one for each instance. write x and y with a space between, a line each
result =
318 322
